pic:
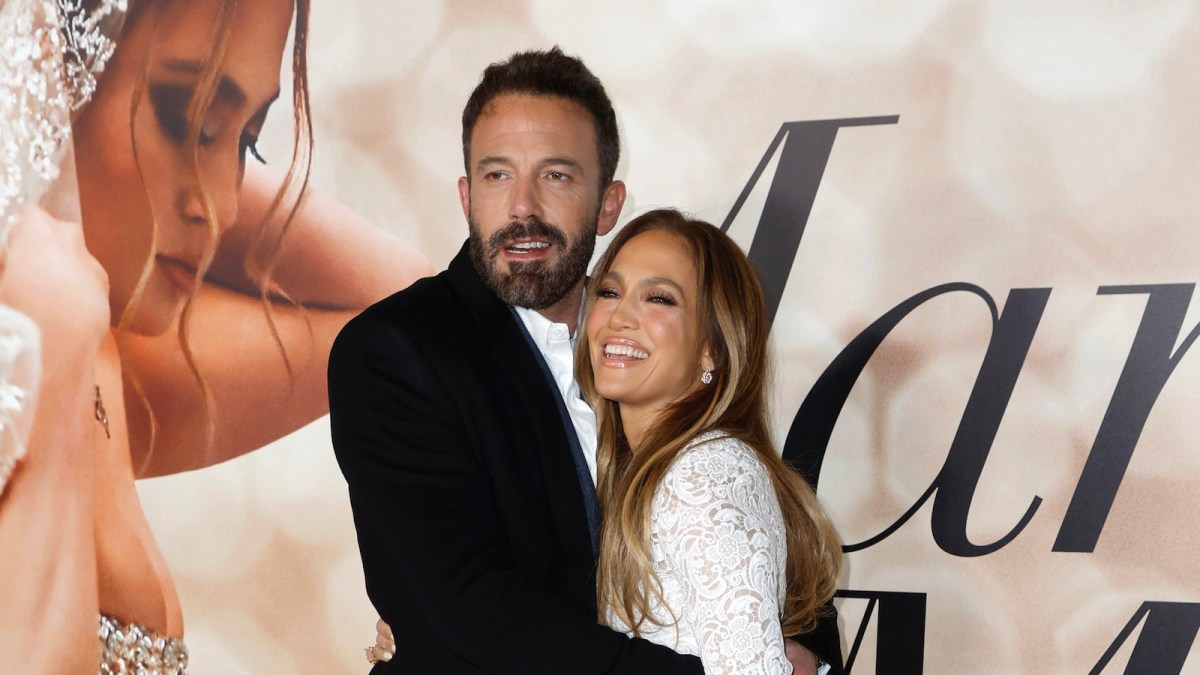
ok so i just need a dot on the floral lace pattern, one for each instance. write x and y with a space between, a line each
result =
719 549
19 364
35 121
51 52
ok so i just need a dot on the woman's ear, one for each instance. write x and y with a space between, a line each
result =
706 362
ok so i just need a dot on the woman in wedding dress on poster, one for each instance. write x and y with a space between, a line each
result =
187 322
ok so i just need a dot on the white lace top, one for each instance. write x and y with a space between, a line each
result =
719 548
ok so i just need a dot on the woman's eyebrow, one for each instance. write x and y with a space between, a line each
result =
661 281
647 281
227 89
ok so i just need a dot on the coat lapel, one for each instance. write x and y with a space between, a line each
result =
545 441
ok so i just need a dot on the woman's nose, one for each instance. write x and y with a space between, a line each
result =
215 196
623 316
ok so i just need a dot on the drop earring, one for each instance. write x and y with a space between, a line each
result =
706 378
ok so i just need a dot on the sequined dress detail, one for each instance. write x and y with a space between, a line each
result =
134 650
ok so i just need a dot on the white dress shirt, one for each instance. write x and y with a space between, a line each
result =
557 346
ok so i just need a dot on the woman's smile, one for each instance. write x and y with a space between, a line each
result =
643 330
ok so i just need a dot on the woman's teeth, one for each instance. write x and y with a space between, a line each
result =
624 350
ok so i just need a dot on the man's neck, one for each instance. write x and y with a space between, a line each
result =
566 310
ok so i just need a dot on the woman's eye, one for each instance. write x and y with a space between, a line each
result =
606 293
662 299
170 105
250 144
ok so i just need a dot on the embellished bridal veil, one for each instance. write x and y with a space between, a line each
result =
51 52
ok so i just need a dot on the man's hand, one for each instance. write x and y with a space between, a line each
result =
803 661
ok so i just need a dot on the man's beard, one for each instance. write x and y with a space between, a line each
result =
535 284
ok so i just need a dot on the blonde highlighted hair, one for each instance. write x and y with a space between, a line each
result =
733 328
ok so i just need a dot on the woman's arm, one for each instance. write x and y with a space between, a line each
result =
717 523
331 261
330 257
257 396
47 546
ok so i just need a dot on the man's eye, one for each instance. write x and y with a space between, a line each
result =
558 175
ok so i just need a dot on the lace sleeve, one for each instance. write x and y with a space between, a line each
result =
19 365
719 527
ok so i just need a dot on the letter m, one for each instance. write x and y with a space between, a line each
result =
1163 646
899 622
806 149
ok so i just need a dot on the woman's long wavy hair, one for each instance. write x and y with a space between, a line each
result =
733 328
263 252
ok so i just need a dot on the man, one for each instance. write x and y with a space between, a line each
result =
455 418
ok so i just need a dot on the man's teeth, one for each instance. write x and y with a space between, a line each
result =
625 350
529 246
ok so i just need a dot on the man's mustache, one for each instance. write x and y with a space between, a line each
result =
531 227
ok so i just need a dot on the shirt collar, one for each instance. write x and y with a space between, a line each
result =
544 331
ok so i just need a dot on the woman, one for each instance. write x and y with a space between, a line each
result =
213 327
711 544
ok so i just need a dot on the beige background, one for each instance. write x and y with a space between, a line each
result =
1040 144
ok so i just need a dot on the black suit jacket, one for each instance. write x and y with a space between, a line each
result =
470 518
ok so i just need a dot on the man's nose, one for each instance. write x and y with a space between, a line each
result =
525 199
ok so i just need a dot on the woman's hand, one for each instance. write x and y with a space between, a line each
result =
803 661
385 645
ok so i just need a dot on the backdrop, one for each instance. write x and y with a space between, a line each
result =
978 224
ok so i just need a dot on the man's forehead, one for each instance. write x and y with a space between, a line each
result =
517 99
528 112
544 129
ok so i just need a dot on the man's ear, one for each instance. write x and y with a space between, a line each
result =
611 201
464 195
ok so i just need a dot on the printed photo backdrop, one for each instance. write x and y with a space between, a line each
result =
979 223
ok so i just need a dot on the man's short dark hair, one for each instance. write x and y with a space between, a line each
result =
548 73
